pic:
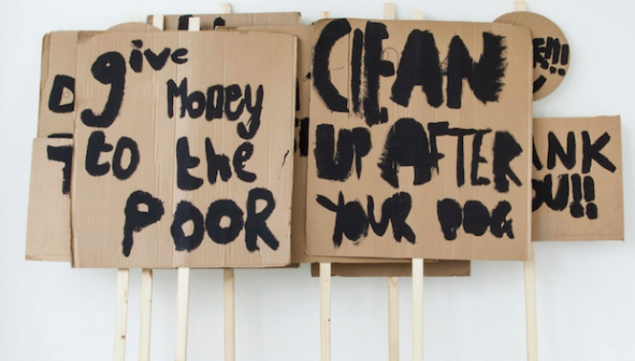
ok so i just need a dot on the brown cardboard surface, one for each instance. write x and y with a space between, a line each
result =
101 235
56 114
431 269
582 202
511 113
304 33
552 54
211 21
48 226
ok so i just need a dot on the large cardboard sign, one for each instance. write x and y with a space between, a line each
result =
420 140
183 150
577 179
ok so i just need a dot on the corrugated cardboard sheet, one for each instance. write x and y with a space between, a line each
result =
578 192
371 135
214 150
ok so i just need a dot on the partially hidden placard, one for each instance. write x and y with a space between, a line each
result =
577 179
183 150
420 140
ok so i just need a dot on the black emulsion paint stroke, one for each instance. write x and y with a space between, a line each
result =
63 154
331 33
136 220
335 163
61 82
485 77
109 68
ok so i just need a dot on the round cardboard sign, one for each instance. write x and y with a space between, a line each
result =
552 55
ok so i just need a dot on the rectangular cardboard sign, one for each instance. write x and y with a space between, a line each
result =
577 179
420 140
212 21
183 150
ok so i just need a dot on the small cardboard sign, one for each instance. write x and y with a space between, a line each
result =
577 179
420 140
213 21
183 150
552 54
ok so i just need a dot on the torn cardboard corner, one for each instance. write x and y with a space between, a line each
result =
191 165
212 21
431 269
577 179
413 156
48 226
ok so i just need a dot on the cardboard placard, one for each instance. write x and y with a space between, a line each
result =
183 150
431 269
552 54
414 156
48 226
212 21
577 179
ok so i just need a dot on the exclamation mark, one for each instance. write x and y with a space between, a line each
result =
589 196
577 211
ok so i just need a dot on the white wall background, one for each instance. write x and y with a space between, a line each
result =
586 293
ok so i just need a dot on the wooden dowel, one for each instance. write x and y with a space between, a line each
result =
325 311
393 319
530 306
182 305
417 309
389 11
225 8
158 21
121 318
417 15
194 24
134 19
230 333
325 15
145 328
520 6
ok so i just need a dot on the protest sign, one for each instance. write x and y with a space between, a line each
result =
552 54
426 155
183 146
577 179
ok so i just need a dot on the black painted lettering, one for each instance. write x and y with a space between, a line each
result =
187 212
109 68
184 161
136 220
255 225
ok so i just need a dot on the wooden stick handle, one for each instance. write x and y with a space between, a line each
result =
325 311
417 309
182 308
530 307
121 320
230 333
393 319
145 328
